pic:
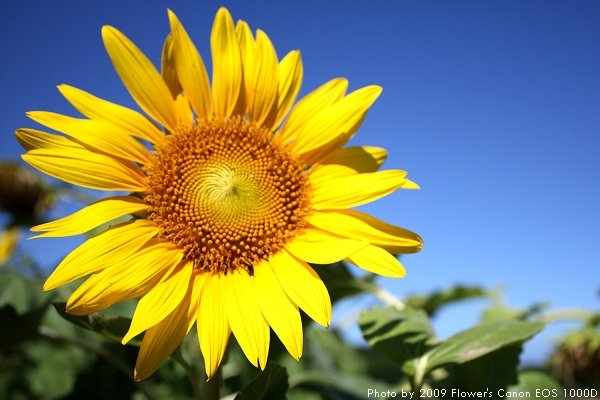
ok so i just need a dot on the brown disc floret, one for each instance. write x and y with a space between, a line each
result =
226 194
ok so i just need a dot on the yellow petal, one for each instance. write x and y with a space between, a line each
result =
213 325
279 311
190 69
357 225
126 119
32 139
410 185
85 168
162 339
319 247
310 105
127 279
140 77
264 83
99 134
349 161
160 301
91 216
185 115
247 49
355 190
101 251
245 39
227 65
290 79
378 261
335 120
245 318
303 286
167 67
247 53
317 154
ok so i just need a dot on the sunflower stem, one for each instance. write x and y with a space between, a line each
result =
417 380
380 293
210 389
570 314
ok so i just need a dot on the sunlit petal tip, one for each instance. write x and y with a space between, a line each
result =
223 12
379 261
354 190
125 120
245 317
190 69
107 30
174 20
303 286
160 301
85 168
377 90
91 216
64 87
320 247
243 31
223 20
227 65
369 94
262 364
410 185
211 371
32 139
239 23
140 77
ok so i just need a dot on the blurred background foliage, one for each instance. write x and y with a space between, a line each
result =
48 354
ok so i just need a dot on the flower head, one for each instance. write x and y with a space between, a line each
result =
231 197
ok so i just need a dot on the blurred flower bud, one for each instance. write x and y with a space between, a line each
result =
577 358
22 194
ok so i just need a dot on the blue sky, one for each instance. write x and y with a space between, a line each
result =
493 108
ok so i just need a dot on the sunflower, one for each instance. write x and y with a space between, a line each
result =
232 191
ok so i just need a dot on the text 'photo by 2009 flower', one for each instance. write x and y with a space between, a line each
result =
232 186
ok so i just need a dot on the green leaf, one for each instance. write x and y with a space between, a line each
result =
300 394
22 294
329 350
18 328
22 307
538 385
113 328
491 372
53 370
481 340
334 369
403 335
332 384
272 383
436 300
502 312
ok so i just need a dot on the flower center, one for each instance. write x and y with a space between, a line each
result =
226 194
